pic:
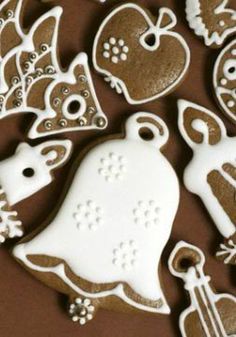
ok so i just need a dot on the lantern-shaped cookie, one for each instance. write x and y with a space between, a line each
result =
106 241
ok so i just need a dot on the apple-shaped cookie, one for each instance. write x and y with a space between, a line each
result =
139 55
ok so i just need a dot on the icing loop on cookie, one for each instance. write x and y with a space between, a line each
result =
135 55
211 20
224 80
109 234
32 79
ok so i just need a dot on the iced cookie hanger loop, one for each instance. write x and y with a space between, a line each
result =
148 128
150 40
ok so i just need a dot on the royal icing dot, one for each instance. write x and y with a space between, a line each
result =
223 81
222 23
230 103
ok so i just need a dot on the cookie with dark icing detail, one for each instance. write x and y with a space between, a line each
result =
139 55
103 247
224 80
212 20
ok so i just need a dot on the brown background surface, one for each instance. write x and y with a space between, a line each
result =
30 309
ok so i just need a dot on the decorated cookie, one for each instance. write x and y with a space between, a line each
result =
139 55
225 80
26 172
212 20
33 81
104 246
211 172
209 314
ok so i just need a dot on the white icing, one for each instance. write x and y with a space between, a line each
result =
30 74
195 279
222 88
90 254
194 17
115 50
17 186
9 226
147 214
158 31
206 159
228 251
113 167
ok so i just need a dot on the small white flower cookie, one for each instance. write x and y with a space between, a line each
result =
212 20
139 54
106 241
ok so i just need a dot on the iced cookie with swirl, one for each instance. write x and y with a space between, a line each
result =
224 80
103 248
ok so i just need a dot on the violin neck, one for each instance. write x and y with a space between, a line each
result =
203 299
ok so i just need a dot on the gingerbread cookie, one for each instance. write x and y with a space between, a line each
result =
32 79
212 20
104 246
25 173
211 172
224 80
210 314
139 55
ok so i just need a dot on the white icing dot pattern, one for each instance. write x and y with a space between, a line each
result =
88 216
113 167
147 214
115 50
81 310
125 256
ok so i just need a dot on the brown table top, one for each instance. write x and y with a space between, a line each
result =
30 309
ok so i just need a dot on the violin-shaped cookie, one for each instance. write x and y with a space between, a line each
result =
104 246
211 174
139 54
224 80
212 20
32 80
209 314
25 173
